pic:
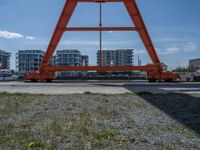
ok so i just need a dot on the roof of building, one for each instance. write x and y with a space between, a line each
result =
194 59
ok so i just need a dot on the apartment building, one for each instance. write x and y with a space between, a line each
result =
71 57
28 60
194 65
120 57
68 58
53 61
4 60
84 60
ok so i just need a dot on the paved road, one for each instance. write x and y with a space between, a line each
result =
106 87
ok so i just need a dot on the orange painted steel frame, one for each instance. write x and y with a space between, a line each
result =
47 72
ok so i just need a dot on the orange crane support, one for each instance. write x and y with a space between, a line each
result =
155 71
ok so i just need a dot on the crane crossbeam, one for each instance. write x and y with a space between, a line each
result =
100 29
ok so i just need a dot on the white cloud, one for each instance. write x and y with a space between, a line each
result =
30 38
177 29
190 46
186 47
183 47
91 42
79 42
10 35
139 51
14 35
170 50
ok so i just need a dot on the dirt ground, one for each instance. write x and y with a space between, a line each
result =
97 121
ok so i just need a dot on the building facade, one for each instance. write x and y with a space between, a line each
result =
121 57
53 61
68 58
194 65
84 60
28 60
4 60
71 57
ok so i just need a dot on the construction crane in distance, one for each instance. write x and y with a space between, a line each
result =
155 71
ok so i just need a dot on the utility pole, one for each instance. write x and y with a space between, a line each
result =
100 25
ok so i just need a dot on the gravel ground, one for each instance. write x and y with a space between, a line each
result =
98 121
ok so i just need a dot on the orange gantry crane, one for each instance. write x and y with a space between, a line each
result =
155 71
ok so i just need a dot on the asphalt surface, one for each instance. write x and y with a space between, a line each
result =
104 87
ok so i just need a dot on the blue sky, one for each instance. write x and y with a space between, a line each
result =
174 26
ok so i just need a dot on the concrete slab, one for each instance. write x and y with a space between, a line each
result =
104 87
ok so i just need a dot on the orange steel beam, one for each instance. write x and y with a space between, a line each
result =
98 68
102 0
142 30
100 29
66 14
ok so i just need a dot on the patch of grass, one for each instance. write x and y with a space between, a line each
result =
144 93
91 93
10 108
84 130
86 126
159 127
107 134
17 140
55 127
163 128
36 144
101 139
6 128
128 94
4 94
87 93
11 94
